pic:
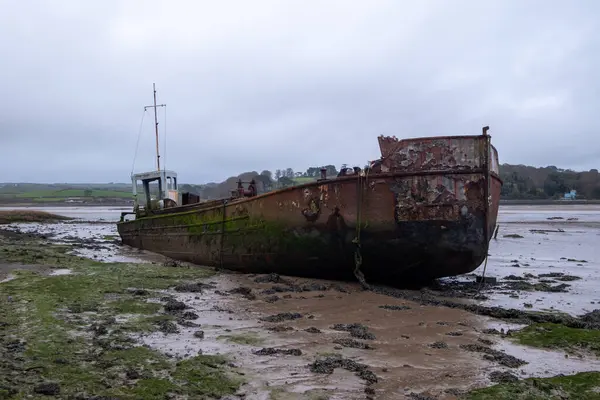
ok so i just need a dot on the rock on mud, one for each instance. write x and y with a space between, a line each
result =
356 330
491 331
593 317
438 345
139 292
244 291
167 327
503 377
286 316
199 334
315 287
395 308
270 351
132 374
188 315
271 278
328 364
514 278
99 329
494 355
272 299
312 329
48 389
174 305
188 324
355 344
192 287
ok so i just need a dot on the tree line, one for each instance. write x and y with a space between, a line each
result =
265 180
519 182
526 182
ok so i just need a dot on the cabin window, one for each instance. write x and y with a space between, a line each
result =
174 183
169 183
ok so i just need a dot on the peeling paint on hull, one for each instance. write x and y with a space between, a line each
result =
418 220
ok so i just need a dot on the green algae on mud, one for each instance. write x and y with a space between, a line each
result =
554 336
243 338
64 330
582 386
14 216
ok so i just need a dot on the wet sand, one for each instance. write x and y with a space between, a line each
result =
415 349
403 353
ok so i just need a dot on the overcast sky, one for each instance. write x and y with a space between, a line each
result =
252 85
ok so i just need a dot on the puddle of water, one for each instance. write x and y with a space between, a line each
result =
542 363
502 326
546 363
81 213
8 278
538 253
59 272
90 240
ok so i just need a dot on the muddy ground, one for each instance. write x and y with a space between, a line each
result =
291 338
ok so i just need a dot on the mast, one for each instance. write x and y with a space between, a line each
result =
155 106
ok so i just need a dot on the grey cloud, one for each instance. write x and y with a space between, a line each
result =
272 84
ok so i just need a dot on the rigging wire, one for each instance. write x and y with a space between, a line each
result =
137 144
165 140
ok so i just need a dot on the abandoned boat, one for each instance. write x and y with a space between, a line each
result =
425 209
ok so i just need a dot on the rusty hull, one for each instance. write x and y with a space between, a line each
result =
422 216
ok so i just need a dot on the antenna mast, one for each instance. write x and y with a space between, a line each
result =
155 106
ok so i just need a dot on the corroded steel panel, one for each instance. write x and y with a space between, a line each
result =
448 197
432 154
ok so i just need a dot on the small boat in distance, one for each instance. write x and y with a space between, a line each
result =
426 208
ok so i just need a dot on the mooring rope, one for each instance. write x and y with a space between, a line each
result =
482 275
358 260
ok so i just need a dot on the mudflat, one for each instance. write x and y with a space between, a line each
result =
84 316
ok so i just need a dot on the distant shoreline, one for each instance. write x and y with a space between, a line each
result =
64 204
503 202
547 202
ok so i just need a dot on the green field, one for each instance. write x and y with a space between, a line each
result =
40 193
66 193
